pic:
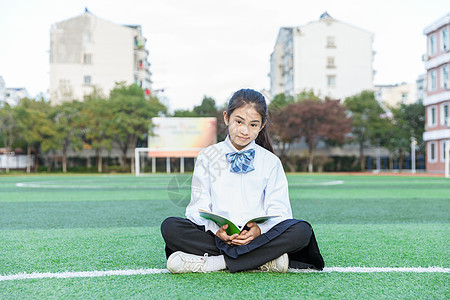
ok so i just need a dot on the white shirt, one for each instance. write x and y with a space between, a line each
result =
236 196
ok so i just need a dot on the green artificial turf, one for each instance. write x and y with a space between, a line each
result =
86 223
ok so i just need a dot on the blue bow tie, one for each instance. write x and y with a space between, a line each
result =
241 162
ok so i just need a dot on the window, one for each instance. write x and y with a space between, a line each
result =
87 59
331 42
330 63
444 114
86 36
331 80
432 116
404 97
87 80
444 39
432 45
444 144
444 77
432 151
432 80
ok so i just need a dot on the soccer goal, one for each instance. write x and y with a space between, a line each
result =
145 157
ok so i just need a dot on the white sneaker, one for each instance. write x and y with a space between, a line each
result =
180 262
279 265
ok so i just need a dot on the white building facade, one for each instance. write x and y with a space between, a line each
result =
2 91
88 52
437 100
396 94
332 58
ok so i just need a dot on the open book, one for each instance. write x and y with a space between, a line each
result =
232 228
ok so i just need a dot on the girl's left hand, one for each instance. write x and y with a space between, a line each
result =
247 236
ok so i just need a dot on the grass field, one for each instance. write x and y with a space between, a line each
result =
99 223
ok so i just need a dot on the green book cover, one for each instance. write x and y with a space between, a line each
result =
232 228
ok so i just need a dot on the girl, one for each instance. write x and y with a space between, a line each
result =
240 178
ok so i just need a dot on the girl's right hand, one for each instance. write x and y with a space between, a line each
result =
222 234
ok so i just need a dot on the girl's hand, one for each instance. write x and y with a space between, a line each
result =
222 234
247 236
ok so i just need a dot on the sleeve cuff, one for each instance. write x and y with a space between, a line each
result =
213 227
264 227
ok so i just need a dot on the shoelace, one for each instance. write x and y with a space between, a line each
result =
197 265
270 265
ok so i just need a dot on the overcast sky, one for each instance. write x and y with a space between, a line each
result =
212 47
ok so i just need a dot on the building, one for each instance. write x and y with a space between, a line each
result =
330 57
396 94
437 100
2 91
421 85
88 52
11 96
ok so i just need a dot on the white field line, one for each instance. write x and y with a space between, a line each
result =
85 274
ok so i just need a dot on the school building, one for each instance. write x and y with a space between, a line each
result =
437 99
87 51
324 56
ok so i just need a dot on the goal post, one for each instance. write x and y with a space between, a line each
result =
168 153
447 158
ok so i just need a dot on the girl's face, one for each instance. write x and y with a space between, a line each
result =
244 125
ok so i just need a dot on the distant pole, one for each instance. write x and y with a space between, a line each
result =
413 154
447 158
168 165
136 162
379 159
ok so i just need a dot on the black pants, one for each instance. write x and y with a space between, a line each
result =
294 237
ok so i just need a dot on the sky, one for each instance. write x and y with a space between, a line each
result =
212 48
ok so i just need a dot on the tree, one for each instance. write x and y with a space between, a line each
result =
8 130
307 95
281 136
132 117
280 101
408 121
66 118
368 124
96 124
184 113
316 121
207 108
35 127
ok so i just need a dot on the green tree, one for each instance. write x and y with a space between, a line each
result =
307 95
8 130
96 123
368 123
132 115
280 101
184 113
66 120
207 108
408 120
35 127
